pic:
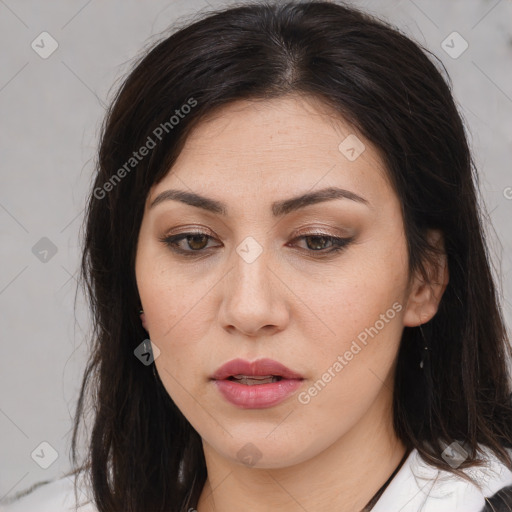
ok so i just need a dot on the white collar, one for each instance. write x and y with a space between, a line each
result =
420 487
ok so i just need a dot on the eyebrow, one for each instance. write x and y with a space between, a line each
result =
279 208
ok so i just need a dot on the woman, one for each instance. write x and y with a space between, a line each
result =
285 206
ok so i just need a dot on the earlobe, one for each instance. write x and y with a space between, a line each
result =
143 319
425 296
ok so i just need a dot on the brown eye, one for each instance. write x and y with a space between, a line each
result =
323 244
319 242
197 242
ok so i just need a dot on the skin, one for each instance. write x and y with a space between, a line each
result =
290 305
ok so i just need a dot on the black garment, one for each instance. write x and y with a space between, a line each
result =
500 502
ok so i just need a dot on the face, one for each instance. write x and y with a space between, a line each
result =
319 286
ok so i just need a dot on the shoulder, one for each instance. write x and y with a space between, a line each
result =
54 496
423 487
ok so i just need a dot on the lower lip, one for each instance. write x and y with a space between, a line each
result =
258 396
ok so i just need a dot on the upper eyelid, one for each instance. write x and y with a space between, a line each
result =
299 233
326 229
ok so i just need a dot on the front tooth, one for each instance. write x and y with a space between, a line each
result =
257 377
252 382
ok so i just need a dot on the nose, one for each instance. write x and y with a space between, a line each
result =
255 298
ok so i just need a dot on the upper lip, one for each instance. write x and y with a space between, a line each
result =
258 368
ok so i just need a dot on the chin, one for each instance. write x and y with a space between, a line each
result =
263 452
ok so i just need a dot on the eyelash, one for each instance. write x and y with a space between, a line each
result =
339 244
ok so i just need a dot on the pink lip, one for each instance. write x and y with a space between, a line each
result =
257 396
257 368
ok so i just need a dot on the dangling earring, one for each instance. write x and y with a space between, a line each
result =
424 356
147 346
426 368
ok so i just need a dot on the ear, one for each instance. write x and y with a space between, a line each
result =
424 297
143 320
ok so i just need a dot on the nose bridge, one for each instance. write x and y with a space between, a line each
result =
251 268
250 301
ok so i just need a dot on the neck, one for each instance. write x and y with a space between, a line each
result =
343 477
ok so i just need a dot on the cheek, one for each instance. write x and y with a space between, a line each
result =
171 298
363 294
178 316
354 357
352 365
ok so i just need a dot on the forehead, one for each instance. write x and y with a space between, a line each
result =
292 142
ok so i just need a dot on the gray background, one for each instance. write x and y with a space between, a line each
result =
51 110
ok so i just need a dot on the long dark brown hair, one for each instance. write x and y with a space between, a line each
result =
142 453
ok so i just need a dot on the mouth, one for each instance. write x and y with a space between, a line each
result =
260 371
249 380
257 385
